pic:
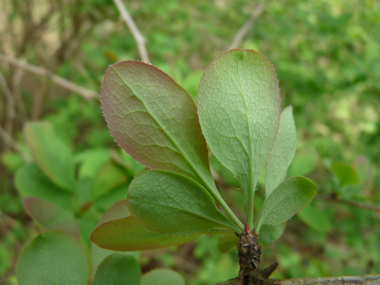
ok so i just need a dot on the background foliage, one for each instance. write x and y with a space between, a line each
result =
326 55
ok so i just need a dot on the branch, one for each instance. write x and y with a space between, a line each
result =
85 93
7 138
360 205
248 25
10 105
140 40
342 280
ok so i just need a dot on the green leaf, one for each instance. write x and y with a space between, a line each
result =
345 173
118 269
315 219
128 235
106 201
32 182
289 198
239 111
155 120
51 154
270 233
109 177
227 242
283 151
125 160
52 258
51 216
91 161
116 211
303 163
162 277
12 161
171 203
85 190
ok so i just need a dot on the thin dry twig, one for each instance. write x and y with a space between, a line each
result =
360 205
10 105
85 93
248 25
10 141
140 40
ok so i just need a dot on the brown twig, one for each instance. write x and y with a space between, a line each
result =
11 142
360 205
341 280
140 40
248 25
10 105
85 93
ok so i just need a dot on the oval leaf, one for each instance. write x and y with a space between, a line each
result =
315 219
154 120
239 111
128 235
304 163
32 182
171 203
91 161
109 177
162 277
118 269
51 216
269 233
288 199
52 258
283 151
116 211
52 155
345 173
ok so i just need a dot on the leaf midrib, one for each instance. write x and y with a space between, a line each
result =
166 133
186 211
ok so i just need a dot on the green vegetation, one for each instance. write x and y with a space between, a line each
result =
63 172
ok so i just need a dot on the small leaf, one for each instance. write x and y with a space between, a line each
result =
51 154
239 112
91 161
110 176
12 161
32 182
125 160
283 151
171 203
315 219
289 198
303 163
51 216
128 235
118 269
162 277
227 242
116 211
85 190
155 120
345 173
52 258
104 202
270 233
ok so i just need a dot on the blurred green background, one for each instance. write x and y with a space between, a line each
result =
327 57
